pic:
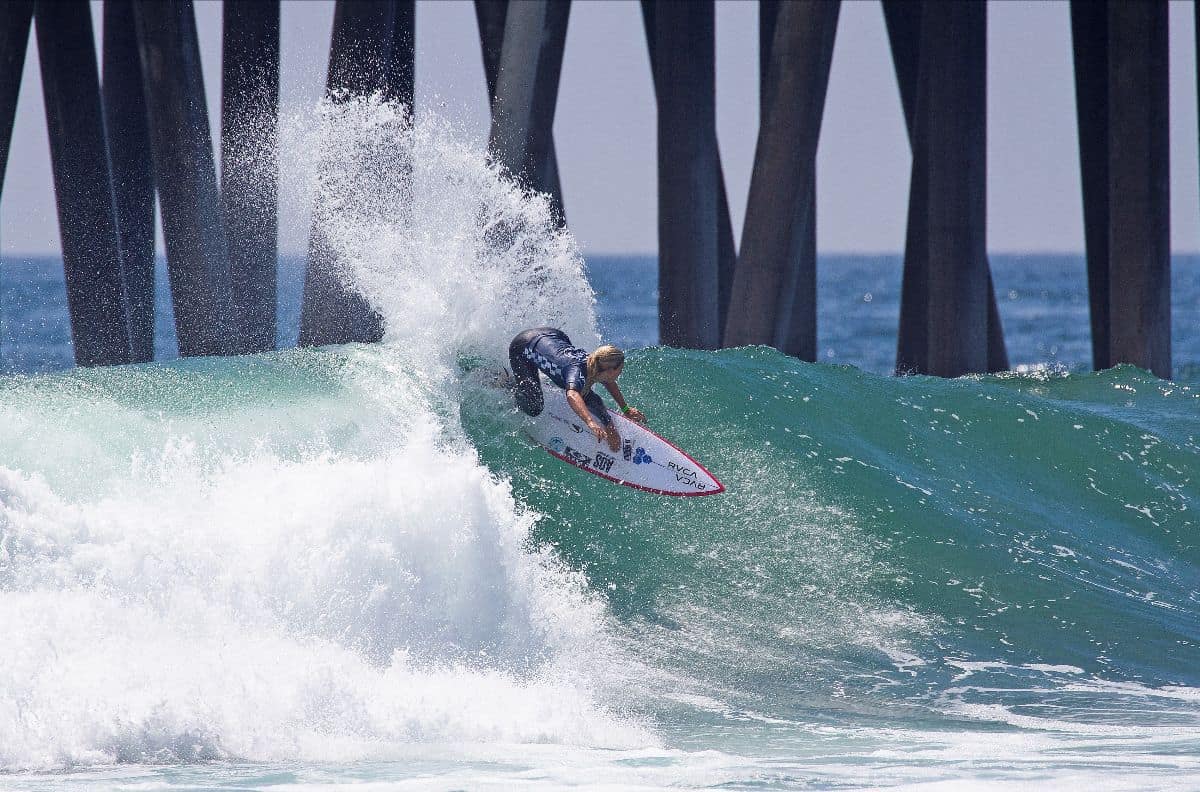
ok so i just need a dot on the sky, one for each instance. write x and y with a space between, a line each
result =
605 124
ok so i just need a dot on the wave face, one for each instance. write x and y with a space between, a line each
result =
898 540
352 553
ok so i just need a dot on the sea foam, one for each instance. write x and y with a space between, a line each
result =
299 555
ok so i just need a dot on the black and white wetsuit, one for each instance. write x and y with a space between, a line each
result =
547 349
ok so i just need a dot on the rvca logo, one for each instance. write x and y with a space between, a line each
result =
686 475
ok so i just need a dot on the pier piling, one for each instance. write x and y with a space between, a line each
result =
250 164
359 50
904 27
401 78
1121 95
688 182
726 251
796 322
96 297
128 135
15 18
526 93
903 21
950 151
1139 186
949 322
490 15
186 178
768 280
1089 35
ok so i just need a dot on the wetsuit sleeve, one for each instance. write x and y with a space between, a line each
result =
574 378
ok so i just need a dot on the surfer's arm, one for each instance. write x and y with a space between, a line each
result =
634 413
605 432
575 399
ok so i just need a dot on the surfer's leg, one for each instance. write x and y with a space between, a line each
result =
527 389
528 395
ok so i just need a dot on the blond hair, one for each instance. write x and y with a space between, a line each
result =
605 358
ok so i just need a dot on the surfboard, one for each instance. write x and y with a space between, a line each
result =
645 461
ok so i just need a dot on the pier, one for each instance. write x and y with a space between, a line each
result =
135 131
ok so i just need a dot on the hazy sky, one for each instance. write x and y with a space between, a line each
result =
605 123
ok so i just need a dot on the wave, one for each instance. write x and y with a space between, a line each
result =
330 554
879 535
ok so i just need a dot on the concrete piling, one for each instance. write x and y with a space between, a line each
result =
726 251
186 178
250 164
950 151
904 33
490 15
1139 192
903 21
15 18
688 182
96 297
128 134
767 280
400 81
362 38
796 321
1089 35
1121 93
526 92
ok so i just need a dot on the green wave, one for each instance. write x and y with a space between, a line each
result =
878 533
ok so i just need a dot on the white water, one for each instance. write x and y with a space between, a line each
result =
221 560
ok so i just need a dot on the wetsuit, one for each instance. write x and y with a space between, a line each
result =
547 349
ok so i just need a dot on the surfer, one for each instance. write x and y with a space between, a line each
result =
575 371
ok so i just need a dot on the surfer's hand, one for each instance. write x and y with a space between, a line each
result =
598 430
614 439
634 414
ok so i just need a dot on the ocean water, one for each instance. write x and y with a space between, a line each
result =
318 568
1042 300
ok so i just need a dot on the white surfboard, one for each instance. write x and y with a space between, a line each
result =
644 461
